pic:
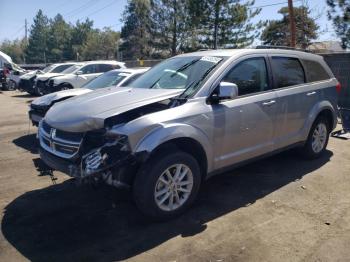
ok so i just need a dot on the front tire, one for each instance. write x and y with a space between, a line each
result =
11 85
317 140
167 184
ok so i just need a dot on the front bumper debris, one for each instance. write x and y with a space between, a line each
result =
104 163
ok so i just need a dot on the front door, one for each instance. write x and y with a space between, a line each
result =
249 119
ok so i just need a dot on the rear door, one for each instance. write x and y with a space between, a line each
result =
295 98
249 119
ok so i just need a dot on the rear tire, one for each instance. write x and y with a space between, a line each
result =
317 140
167 184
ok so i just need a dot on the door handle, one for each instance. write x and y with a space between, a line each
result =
311 93
269 103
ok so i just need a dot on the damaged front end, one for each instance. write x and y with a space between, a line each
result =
92 156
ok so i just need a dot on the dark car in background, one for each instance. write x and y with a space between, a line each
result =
26 82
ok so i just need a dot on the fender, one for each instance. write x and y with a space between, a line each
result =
314 112
169 132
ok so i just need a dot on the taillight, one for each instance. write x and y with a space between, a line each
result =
6 71
338 88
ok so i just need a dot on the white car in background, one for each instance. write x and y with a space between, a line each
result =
26 81
42 80
80 75
113 78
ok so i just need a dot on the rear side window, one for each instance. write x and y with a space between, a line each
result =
315 71
250 76
102 68
288 71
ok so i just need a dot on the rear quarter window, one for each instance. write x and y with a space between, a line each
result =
315 71
288 71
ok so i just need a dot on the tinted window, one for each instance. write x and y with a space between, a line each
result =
61 68
314 71
89 69
250 76
104 68
111 78
288 71
131 79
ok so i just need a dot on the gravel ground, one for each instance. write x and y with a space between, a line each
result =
279 209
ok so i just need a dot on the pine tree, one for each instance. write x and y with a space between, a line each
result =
79 36
59 40
227 23
277 32
136 31
339 13
169 21
37 42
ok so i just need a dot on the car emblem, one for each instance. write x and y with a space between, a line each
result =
52 136
53 133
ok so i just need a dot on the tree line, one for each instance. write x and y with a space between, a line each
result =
156 29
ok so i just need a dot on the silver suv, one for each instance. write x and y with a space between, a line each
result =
190 117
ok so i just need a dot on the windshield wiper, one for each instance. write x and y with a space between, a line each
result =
196 83
182 68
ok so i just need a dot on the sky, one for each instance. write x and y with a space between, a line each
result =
107 13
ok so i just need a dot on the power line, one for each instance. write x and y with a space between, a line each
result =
18 31
98 10
280 3
59 6
80 8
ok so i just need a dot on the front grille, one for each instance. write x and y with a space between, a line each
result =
58 142
26 84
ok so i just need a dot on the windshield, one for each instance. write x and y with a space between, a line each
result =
179 73
48 69
71 69
61 68
111 78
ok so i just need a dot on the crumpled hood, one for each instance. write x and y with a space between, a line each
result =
88 111
50 98
29 75
46 76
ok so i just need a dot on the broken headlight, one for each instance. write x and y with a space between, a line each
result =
114 150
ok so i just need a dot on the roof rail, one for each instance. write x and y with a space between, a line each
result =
281 47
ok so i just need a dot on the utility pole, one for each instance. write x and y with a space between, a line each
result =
26 30
292 23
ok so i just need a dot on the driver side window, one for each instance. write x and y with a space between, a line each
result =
250 76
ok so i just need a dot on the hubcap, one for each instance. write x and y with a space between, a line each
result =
319 138
173 187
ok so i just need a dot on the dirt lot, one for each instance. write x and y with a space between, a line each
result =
279 209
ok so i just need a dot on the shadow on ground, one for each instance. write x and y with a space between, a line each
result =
27 142
67 222
25 96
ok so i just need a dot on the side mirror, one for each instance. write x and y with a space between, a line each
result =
79 72
227 90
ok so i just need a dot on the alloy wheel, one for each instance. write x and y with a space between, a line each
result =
173 187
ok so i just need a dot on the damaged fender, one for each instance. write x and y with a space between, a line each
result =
172 131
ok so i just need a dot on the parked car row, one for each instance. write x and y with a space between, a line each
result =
65 76
188 118
113 78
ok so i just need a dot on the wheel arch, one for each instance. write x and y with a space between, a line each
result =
324 109
66 84
184 137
